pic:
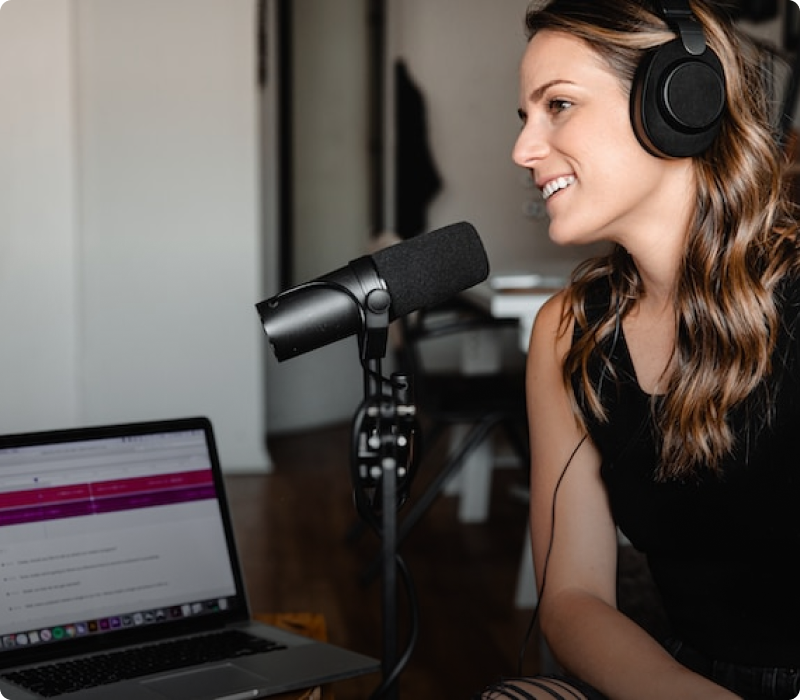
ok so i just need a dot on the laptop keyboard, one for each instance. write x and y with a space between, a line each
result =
79 674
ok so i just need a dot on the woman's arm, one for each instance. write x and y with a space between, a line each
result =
575 545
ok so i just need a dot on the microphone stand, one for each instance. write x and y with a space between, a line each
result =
384 457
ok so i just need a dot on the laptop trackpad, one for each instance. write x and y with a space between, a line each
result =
215 682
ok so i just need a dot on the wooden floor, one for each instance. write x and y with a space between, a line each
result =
292 529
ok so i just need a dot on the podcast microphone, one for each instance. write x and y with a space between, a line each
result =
418 273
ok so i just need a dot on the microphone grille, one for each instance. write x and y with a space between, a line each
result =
432 267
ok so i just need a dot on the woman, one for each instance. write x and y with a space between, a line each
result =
664 382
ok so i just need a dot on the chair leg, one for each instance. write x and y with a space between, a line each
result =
474 483
527 595
518 441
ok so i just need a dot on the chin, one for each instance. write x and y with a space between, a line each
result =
565 236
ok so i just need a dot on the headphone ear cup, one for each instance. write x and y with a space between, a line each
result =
677 101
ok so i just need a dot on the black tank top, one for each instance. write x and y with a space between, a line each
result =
724 550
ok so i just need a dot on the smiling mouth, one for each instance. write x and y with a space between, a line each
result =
560 183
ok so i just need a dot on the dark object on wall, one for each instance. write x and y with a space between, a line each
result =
417 180
751 10
791 41
791 26
760 10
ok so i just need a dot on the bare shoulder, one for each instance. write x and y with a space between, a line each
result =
550 335
553 424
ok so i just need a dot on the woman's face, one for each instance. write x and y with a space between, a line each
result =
578 144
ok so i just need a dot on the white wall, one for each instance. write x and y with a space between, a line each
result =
134 259
38 237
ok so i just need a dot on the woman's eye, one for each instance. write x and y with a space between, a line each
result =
557 105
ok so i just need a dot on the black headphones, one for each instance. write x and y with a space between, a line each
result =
678 93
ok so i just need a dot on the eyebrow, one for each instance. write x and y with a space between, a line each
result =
537 94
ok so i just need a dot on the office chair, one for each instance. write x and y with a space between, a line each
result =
483 402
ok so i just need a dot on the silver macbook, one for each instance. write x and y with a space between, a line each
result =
119 576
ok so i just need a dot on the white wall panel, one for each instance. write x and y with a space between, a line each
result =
38 285
130 241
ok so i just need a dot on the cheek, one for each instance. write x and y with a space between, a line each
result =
603 141
618 155
615 130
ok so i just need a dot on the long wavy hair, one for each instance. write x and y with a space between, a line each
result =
742 242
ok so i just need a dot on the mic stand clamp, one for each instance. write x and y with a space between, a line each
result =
376 333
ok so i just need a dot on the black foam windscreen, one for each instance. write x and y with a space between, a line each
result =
432 267
420 272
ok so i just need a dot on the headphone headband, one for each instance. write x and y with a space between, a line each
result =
680 17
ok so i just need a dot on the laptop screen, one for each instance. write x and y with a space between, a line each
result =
110 529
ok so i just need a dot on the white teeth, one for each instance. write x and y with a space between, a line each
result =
555 185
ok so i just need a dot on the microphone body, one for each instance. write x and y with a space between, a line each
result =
418 273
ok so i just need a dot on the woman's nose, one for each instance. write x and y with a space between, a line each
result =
530 147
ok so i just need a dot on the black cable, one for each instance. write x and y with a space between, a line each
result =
413 603
535 615
369 507
540 592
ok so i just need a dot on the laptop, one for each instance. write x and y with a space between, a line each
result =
117 538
